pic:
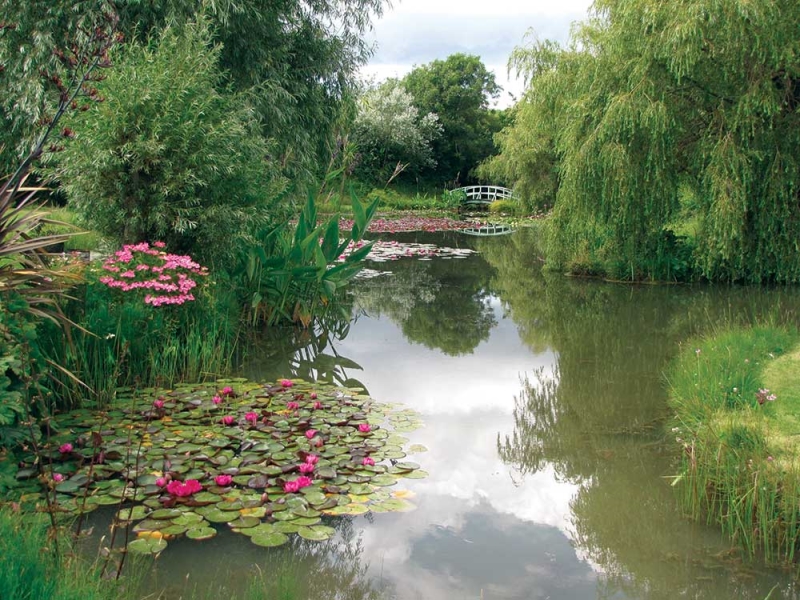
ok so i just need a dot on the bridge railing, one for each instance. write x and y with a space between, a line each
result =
485 194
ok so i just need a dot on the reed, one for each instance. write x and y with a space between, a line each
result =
30 569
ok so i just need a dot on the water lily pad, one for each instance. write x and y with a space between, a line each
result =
317 533
393 505
244 522
219 516
201 533
187 518
147 545
348 509
384 480
174 530
67 487
134 513
269 540
417 449
286 527
306 521
418 474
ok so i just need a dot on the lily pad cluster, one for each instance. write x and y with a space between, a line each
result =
383 251
411 223
268 460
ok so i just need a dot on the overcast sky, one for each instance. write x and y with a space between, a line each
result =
415 32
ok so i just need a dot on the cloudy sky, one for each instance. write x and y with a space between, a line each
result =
415 32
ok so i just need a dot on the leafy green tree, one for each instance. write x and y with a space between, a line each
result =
299 60
167 156
458 90
390 133
653 103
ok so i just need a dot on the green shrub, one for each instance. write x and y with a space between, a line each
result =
504 207
167 155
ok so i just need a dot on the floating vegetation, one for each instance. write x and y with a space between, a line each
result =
268 460
410 223
383 251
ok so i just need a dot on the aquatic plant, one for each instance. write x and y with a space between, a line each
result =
265 470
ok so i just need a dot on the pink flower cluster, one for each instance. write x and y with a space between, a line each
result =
184 489
65 448
291 487
292 405
140 267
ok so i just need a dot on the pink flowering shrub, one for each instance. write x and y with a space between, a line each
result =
165 278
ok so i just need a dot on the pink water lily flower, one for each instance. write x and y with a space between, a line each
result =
58 477
161 481
306 468
228 420
291 487
223 480
216 399
158 404
317 405
304 481
312 459
184 489
287 383
251 417
227 391
292 405
364 427
313 395
368 461
65 448
311 433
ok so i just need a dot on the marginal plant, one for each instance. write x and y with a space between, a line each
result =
291 277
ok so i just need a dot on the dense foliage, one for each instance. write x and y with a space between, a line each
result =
661 119
458 90
298 61
391 135
167 156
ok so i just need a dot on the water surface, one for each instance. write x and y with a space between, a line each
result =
544 405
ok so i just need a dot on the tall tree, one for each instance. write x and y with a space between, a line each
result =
655 103
389 131
457 89
299 59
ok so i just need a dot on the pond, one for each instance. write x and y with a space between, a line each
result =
544 409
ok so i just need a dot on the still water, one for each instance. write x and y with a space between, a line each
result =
544 404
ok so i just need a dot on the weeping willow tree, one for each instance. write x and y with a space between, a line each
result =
661 115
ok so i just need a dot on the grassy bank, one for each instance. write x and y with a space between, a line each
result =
31 568
736 400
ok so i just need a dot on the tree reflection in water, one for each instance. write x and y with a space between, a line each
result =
434 304
598 419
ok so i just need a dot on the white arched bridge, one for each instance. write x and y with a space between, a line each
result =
484 194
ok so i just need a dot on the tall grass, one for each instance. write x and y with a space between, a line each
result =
31 570
738 466
123 342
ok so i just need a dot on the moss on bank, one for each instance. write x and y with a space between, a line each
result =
736 401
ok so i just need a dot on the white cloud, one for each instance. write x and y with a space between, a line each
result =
419 31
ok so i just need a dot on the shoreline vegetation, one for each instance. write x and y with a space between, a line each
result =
735 398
